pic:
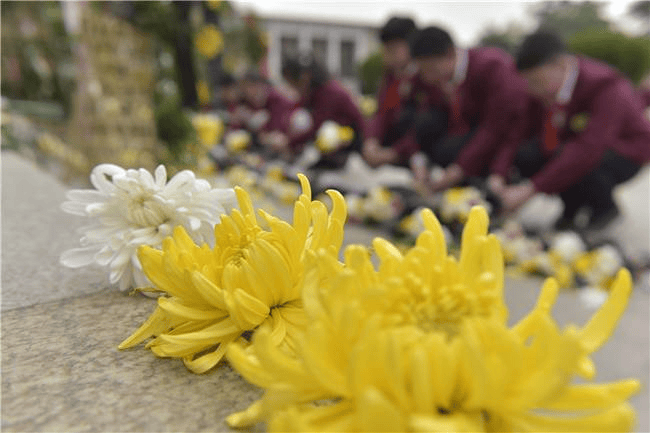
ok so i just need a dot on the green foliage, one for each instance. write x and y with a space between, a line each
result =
173 126
158 19
370 72
254 48
36 65
508 39
568 18
629 55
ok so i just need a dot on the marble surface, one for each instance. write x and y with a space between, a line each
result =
62 372
35 231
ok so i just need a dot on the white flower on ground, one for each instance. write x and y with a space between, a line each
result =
130 208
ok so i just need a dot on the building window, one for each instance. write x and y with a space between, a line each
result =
288 47
319 49
348 65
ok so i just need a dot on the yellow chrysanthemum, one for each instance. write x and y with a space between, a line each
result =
209 129
422 344
203 92
251 280
457 203
209 41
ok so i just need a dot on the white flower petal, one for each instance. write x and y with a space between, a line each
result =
74 208
96 209
99 180
123 275
122 258
179 181
148 236
146 179
194 222
98 234
592 297
160 176
78 257
104 256
86 195
126 183
201 185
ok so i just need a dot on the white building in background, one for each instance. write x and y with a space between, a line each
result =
339 46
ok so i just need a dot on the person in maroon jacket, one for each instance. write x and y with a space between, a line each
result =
384 143
231 99
325 99
644 88
594 134
470 108
269 110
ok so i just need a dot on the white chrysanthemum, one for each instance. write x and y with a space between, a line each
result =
130 208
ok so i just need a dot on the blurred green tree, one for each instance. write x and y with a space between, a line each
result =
629 55
568 18
370 72
508 39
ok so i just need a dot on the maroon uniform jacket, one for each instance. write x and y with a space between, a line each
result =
278 108
645 95
332 102
390 102
233 108
492 97
599 110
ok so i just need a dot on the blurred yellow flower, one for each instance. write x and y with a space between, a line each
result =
421 344
214 4
368 105
237 141
251 280
209 41
458 201
203 92
331 136
209 129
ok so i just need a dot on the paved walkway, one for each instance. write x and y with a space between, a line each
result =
61 370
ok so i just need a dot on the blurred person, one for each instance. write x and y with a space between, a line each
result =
269 110
385 141
593 132
644 88
231 99
470 104
324 99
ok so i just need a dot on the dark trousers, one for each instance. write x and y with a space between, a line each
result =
398 129
431 134
593 191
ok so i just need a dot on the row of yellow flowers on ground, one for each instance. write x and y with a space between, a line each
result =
412 341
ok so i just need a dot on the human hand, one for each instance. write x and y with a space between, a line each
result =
513 197
496 184
451 177
376 155
421 176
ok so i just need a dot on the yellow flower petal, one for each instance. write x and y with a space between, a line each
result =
601 326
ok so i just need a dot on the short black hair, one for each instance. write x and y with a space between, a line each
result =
431 41
397 28
538 49
293 67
